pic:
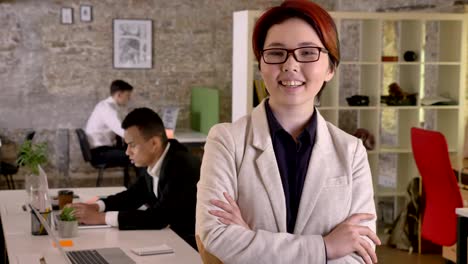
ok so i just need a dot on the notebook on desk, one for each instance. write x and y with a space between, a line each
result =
88 256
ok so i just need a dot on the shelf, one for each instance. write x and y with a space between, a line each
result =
403 107
441 107
395 150
360 63
321 108
357 108
390 194
454 63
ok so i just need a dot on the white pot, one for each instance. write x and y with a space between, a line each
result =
67 228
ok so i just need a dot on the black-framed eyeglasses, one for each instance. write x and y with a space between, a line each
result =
302 54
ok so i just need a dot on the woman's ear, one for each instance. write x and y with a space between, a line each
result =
330 72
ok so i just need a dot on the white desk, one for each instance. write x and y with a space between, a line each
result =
189 136
20 243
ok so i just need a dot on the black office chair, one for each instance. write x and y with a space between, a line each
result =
9 169
101 166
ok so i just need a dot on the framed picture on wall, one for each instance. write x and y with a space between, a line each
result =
86 13
132 44
66 15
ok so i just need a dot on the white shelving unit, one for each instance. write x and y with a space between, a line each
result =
438 39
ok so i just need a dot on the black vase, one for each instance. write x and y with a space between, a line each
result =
410 56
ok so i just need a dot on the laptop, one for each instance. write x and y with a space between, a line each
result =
169 119
89 256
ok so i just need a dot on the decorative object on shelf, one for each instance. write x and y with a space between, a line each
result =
358 100
86 14
389 58
367 138
67 223
66 15
410 56
132 44
398 97
437 100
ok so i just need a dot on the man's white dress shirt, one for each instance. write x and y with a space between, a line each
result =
104 123
153 171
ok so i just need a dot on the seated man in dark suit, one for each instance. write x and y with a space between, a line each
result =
168 189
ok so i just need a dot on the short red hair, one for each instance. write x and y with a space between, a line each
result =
319 19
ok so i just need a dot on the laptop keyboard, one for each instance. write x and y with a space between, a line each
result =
86 257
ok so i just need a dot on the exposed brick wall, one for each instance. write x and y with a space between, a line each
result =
52 75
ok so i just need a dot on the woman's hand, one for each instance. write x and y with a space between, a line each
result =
348 237
230 214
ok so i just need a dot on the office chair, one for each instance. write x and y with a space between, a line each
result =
440 186
101 166
207 257
9 169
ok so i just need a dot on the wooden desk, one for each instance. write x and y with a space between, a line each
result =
20 244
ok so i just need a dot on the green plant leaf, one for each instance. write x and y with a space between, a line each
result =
32 155
67 214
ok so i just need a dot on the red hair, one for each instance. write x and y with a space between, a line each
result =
313 14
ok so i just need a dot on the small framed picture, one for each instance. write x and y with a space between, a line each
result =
86 13
133 43
66 15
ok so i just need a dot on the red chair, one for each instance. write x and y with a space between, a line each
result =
440 187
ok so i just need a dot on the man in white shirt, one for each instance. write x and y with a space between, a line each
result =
168 189
104 126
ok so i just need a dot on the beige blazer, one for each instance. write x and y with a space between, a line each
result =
239 159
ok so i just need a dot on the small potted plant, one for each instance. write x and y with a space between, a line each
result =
32 156
67 223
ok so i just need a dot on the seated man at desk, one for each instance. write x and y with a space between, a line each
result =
168 189
104 125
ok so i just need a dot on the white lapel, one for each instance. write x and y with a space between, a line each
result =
317 172
267 166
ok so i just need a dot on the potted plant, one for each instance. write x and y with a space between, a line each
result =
67 223
32 156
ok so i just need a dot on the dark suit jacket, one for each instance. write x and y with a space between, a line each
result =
175 205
